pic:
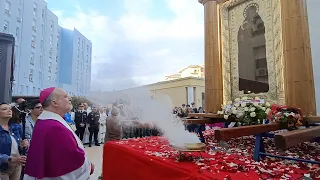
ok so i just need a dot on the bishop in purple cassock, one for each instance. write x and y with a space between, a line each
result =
55 151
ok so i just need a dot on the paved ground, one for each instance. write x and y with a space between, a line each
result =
94 154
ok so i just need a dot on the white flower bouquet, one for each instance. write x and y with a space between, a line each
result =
247 111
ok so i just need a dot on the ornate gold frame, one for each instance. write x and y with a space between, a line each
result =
270 12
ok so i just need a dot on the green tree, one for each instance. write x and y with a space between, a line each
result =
76 100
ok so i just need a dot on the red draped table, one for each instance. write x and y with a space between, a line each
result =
153 159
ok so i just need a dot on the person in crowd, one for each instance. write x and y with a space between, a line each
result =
195 110
80 120
55 150
102 122
113 126
86 108
181 113
183 107
175 110
67 117
201 110
86 132
10 145
108 112
93 121
20 100
35 110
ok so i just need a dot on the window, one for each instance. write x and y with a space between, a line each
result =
32 58
33 42
34 9
87 58
40 77
41 44
78 64
19 15
31 75
42 15
50 53
7 7
41 62
78 53
16 51
42 29
21 89
51 26
49 68
49 78
6 27
34 25
51 37
17 33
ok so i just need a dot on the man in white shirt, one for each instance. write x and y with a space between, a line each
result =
102 127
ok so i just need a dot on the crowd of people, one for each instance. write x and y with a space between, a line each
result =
184 110
33 137
45 139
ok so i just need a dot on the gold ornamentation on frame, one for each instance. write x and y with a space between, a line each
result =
231 18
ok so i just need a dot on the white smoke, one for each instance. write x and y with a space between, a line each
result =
138 103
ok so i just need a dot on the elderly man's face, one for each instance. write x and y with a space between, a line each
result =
63 100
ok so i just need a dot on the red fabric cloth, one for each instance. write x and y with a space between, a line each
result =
129 161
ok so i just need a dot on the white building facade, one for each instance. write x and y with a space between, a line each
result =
37 45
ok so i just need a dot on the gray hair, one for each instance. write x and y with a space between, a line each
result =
115 111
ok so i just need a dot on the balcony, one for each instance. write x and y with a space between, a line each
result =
33 44
7 11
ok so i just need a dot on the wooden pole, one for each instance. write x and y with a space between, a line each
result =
213 68
292 138
298 72
228 133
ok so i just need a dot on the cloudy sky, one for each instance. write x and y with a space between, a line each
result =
136 42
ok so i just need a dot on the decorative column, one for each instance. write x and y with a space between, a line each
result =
190 95
213 69
298 72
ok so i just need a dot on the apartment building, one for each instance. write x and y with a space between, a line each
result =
37 48
75 62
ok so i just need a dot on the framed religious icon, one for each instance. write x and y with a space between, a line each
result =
252 61
258 48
